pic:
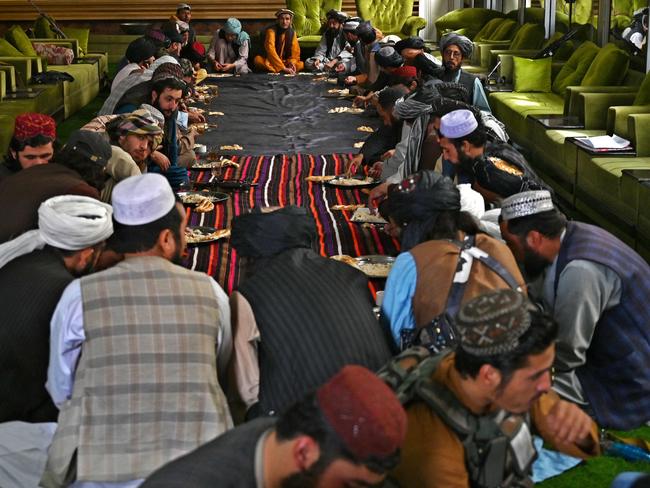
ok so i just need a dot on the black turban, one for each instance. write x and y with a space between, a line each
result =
388 57
140 49
505 172
426 66
416 205
463 43
366 32
339 16
409 43
263 235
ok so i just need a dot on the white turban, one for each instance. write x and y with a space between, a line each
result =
68 222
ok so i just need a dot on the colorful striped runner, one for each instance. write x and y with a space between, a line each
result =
280 182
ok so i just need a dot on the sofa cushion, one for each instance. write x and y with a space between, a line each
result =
608 68
532 75
564 51
504 31
487 30
600 178
42 29
8 49
471 19
16 36
55 55
643 95
81 35
529 36
575 68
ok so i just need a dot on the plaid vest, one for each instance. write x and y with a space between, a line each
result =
145 389
616 377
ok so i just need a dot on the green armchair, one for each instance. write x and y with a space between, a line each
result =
391 16
465 21
309 18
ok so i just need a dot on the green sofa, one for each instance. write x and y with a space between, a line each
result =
643 219
609 197
513 108
535 15
391 16
465 21
310 19
527 39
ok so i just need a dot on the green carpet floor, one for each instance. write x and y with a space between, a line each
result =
599 472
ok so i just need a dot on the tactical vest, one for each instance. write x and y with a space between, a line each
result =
499 449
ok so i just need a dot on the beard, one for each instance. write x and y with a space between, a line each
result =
166 113
450 67
534 264
177 257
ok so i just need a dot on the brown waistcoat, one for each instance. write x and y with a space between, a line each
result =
436 262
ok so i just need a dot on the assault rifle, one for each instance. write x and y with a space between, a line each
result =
49 19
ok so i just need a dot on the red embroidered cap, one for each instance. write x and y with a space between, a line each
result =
29 125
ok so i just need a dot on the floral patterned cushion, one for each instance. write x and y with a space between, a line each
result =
56 55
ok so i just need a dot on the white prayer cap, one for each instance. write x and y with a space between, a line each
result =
69 222
458 123
142 199
526 203
183 6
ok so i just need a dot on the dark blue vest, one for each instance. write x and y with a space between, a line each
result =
616 376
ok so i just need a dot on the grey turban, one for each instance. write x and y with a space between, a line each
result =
387 57
69 222
463 43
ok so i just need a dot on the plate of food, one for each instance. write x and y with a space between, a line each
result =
203 201
343 181
209 164
374 266
201 235
365 216
346 110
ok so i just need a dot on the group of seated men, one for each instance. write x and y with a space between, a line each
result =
499 319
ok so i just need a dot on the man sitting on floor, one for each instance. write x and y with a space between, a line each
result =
229 48
78 169
184 14
287 274
385 139
455 49
469 423
348 433
282 51
331 49
35 268
426 282
597 290
134 138
496 170
135 350
140 55
31 144
367 69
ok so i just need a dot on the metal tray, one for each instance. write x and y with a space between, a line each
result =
363 184
214 196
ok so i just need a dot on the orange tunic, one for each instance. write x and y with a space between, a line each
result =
273 61
433 456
